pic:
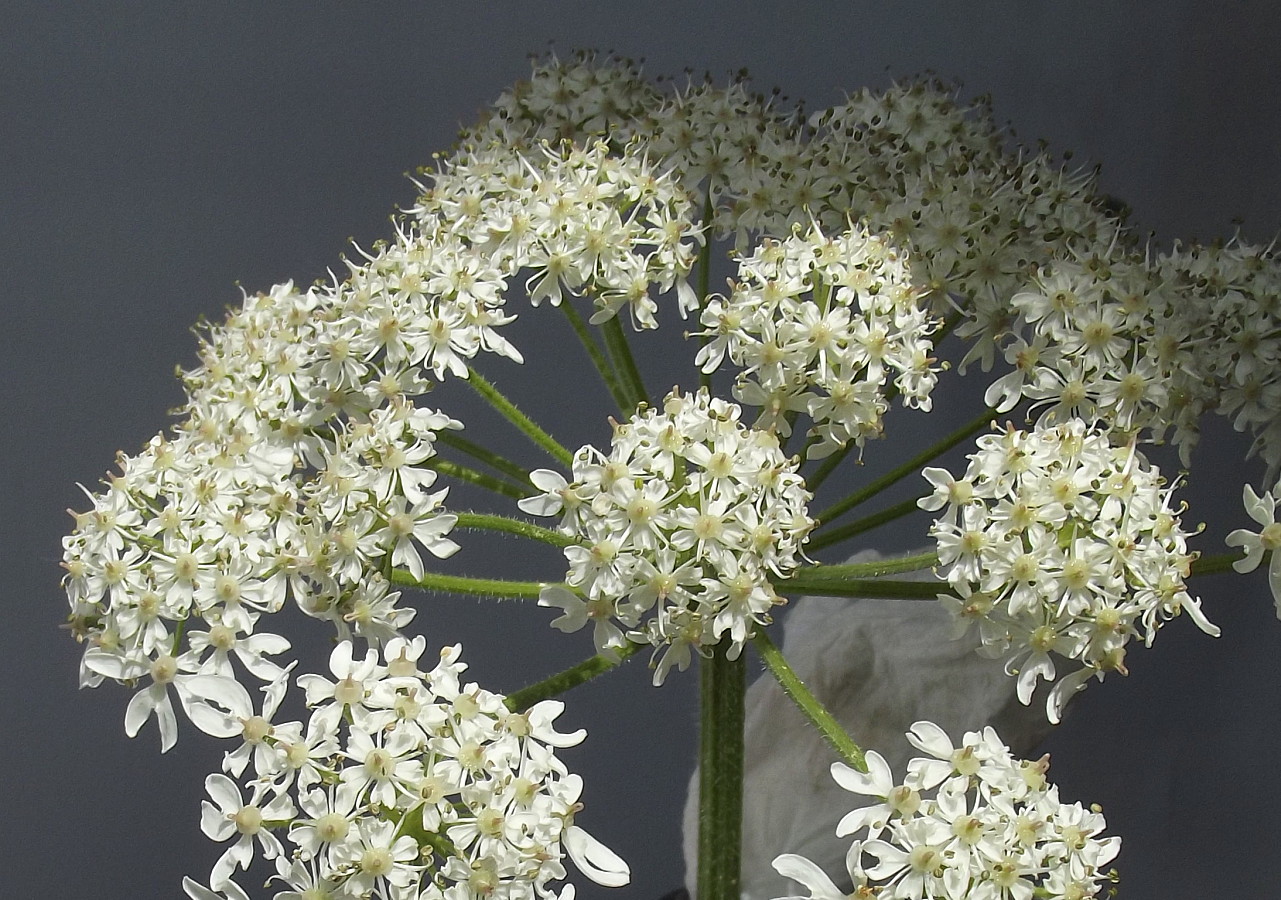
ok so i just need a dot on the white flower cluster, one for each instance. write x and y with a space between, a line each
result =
1229 316
993 829
1092 339
302 468
403 784
1058 542
821 325
681 529
585 221
201 534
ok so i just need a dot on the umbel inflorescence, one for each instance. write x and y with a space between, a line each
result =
308 471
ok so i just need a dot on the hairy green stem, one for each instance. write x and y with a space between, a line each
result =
482 454
624 363
555 685
490 522
462 584
878 568
480 479
807 703
607 373
720 787
518 418
874 487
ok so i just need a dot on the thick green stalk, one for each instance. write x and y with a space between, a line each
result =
872 488
518 418
607 373
823 539
720 787
490 522
555 685
624 363
808 704
462 584
482 454
480 479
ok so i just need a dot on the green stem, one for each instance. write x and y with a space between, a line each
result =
555 685
867 523
624 363
480 479
518 418
874 487
462 584
878 568
607 373
488 457
808 704
720 787
862 588
490 522
1216 563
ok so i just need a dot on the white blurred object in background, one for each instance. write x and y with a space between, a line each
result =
878 666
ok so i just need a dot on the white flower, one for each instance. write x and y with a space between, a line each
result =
1268 539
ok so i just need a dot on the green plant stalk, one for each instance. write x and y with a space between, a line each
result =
488 457
625 363
491 522
720 787
518 418
607 373
807 703
480 479
555 685
914 464
863 588
877 568
462 584
1215 563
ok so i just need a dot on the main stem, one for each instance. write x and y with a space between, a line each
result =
720 786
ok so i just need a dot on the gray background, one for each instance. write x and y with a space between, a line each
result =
154 155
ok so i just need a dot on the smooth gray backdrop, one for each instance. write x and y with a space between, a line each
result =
155 155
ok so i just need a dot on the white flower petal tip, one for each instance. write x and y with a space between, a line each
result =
594 859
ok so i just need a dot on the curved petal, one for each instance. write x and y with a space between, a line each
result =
594 859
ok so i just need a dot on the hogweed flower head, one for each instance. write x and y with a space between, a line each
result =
681 529
968 821
823 325
1059 542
